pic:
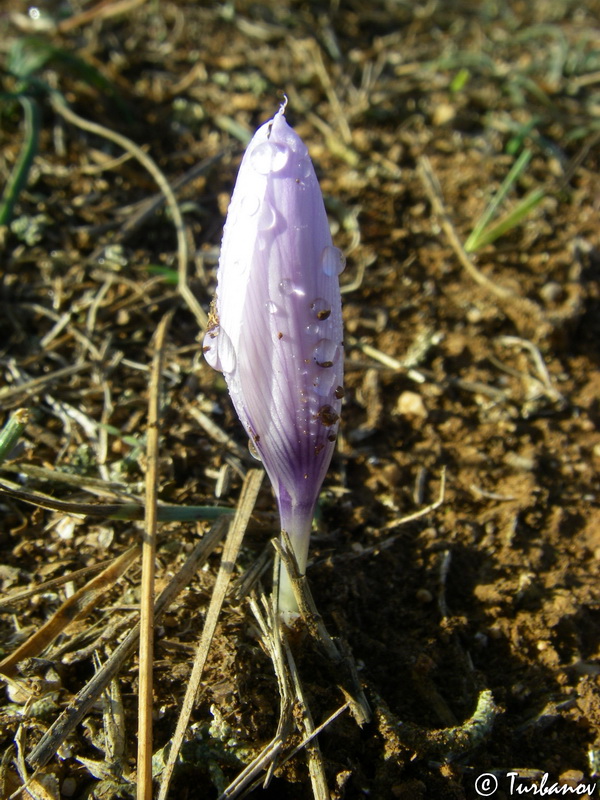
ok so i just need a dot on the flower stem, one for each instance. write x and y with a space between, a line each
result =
297 522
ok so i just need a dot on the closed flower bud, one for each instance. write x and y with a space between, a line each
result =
275 329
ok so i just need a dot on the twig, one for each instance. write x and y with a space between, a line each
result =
145 705
85 699
247 500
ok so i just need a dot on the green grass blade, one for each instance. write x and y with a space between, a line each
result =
474 241
512 219
11 432
20 173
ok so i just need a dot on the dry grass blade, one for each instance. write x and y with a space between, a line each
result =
121 511
8 601
316 767
8 392
76 606
239 523
85 699
145 704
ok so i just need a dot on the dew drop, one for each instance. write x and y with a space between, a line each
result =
333 261
253 451
288 288
326 353
323 383
250 204
267 217
306 168
320 309
225 354
269 157
209 348
272 307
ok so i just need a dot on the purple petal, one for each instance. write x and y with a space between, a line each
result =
277 335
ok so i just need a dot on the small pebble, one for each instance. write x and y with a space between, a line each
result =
551 292
410 404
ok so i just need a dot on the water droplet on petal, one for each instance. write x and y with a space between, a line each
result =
333 261
320 308
225 352
272 307
306 168
250 204
209 348
323 383
326 352
269 157
267 217
288 288
253 451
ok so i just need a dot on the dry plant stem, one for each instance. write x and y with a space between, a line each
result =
316 768
59 105
353 692
86 698
99 11
96 486
386 360
8 392
239 523
266 757
8 601
540 365
145 705
76 606
504 295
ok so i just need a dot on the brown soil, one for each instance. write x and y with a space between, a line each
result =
494 589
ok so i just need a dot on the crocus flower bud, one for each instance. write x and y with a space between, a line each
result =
275 329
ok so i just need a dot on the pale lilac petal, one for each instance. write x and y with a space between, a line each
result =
278 333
